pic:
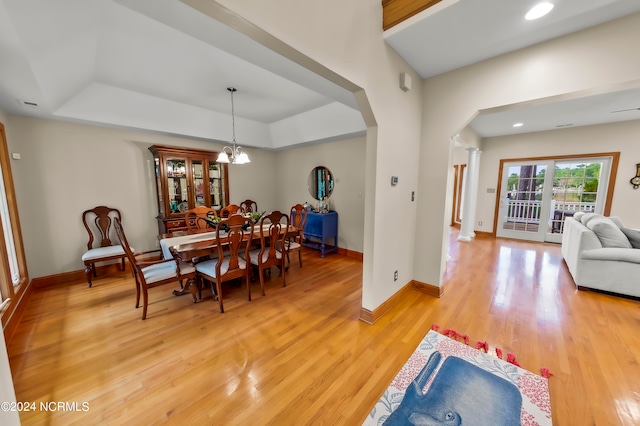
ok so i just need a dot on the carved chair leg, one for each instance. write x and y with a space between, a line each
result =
261 273
93 268
300 257
137 293
246 278
219 292
283 275
87 272
145 302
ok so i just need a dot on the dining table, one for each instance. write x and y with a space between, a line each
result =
192 244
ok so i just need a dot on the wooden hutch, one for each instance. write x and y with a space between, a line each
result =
187 178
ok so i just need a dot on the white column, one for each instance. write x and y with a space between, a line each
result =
470 196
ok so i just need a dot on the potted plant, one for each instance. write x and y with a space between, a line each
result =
214 171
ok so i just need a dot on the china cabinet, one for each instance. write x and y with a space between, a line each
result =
187 178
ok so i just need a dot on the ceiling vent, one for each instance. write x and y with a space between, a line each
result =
625 110
27 103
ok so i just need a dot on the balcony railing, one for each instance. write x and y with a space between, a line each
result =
528 211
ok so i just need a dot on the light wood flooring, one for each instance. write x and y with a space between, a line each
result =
300 356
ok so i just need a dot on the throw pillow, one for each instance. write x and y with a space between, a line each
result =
608 233
633 235
588 216
617 221
578 215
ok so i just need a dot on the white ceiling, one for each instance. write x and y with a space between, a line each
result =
456 33
162 66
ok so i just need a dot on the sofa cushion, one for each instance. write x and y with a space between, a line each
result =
578 215
608 233
633 235
589 216
613 254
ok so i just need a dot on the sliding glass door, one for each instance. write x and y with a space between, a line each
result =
536 196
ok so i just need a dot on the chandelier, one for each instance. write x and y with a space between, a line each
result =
235 154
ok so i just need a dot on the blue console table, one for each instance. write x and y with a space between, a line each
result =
320 227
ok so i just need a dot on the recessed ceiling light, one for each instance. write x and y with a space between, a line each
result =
538 11
518 124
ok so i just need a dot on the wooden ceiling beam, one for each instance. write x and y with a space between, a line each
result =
396 11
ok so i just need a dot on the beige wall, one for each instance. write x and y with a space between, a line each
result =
622 137
345 159
66 168
597 57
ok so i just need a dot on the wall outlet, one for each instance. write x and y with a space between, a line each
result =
479 223
413 195
395 275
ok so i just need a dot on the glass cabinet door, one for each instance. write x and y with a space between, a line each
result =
216 186
159 187
177 188
197 169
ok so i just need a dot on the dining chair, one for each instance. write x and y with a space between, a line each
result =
154 273
97 221
249 206
272 229
230 210
298 217
233 236
194 217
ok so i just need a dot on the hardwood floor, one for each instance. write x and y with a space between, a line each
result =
300 355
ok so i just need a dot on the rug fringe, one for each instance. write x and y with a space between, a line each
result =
544 372
483 345
512 359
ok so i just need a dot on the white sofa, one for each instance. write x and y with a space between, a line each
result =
601 256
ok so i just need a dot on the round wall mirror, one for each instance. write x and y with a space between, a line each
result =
320 183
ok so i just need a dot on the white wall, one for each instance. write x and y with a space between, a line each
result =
622 137
596 57
346 160
346 38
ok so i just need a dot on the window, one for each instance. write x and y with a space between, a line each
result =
13 273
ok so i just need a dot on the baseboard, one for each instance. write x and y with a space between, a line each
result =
484 234
78 275
351 254
370 317
429 289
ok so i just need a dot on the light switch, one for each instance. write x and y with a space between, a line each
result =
15 155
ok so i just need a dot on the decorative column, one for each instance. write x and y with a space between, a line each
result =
470 196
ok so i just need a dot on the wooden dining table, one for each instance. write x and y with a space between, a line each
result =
188 245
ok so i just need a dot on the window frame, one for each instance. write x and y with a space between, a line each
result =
7 288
